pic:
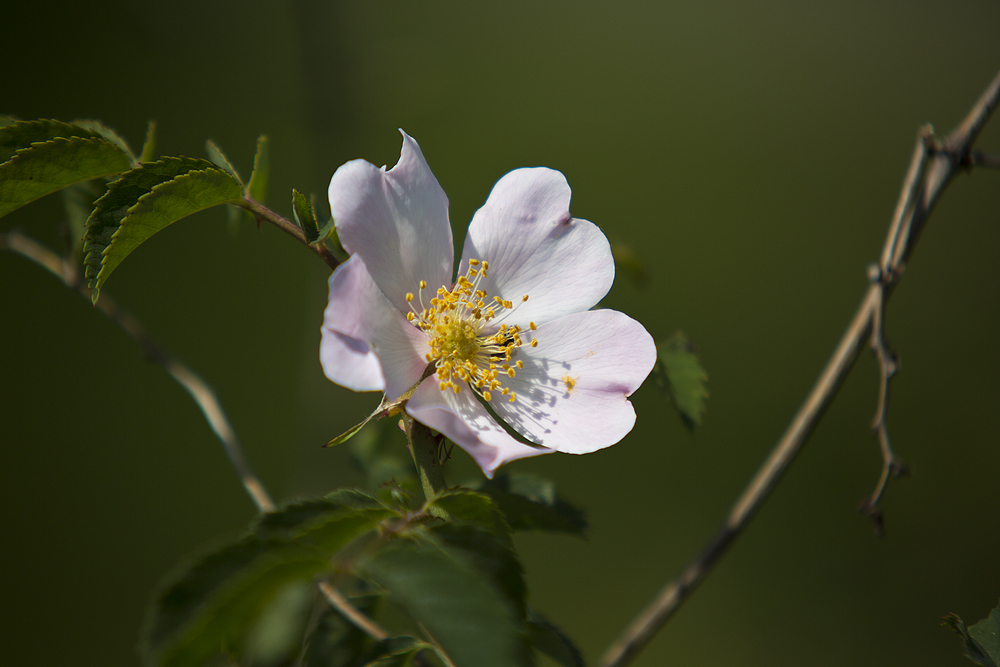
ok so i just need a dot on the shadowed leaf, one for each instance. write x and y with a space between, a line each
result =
144 201
257 185
531 503
219 158
149 145
548 639
679 373
441 587
209 606
305 216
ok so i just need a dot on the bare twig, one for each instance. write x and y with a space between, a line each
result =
202 394
917 198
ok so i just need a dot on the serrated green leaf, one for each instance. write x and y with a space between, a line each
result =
45 167
257 186
985 635
679 373
78 202
531 503
475 509
144 201
219 158
149 145
472 621
23 133
210 606
102 130
551 641
6 120
305 216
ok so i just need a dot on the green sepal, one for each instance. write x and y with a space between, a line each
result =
41 157
144 201
530 502
257 185
679 373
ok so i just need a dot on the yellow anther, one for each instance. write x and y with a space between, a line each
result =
456 388
486 265
510 372
534 343
423 284
512 396
524 298
474 262
409 297
534 327
520 364
486 396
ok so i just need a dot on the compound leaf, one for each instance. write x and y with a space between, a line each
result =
40 157
144 201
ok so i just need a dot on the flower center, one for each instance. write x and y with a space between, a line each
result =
456 322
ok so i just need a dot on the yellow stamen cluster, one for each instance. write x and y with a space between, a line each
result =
454 321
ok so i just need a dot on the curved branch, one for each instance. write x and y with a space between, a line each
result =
917 198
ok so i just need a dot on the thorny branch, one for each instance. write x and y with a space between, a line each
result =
199 390
932 167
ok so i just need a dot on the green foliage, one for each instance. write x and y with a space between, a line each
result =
457 577
220 160
78 202
531 503
102 130
210 605
679 373
548 639
257 186
149 144
39 157
144 201
981 641
305 216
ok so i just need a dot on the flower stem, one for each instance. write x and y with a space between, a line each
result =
424 449
262 212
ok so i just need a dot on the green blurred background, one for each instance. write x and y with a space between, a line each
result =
749 153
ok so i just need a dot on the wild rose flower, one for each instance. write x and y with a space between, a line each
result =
513 331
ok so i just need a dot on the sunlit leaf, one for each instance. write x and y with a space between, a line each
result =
679 373
257 185
548 639
531 503
305 215
41 157
102 130
144 201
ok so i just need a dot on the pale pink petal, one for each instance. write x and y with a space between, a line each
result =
343 353
348 362
396 220
462 419
358 310
534 247
572 392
